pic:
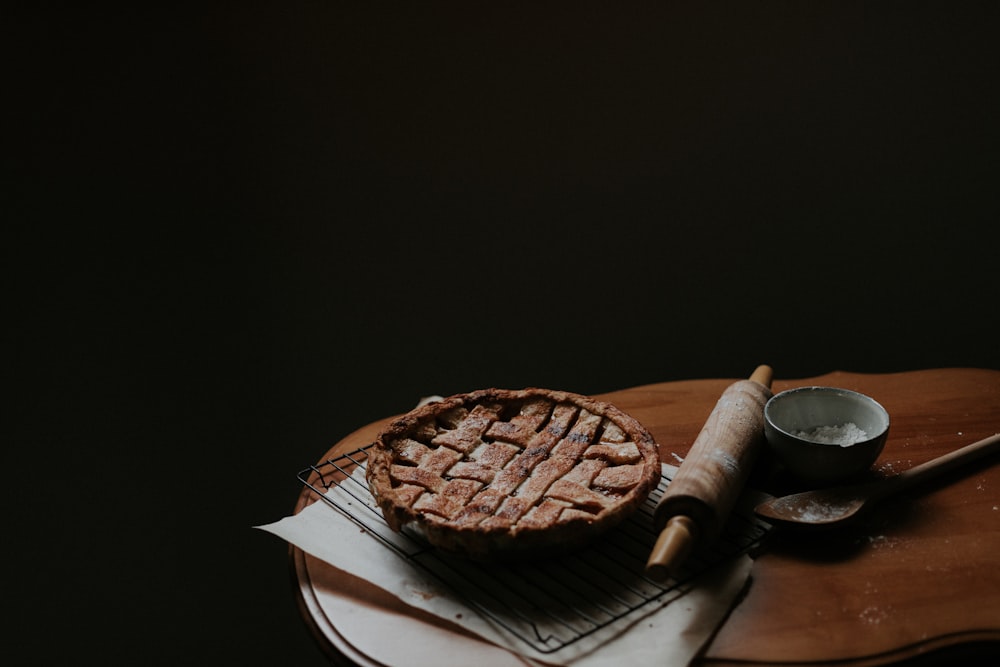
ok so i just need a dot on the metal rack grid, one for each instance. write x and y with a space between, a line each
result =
547 605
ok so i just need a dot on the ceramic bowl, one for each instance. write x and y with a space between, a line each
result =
825 434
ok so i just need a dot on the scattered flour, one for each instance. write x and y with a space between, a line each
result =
884 542
874 615
843 434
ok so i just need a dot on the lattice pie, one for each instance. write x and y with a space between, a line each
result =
497 473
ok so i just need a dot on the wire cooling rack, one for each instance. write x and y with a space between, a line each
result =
547 605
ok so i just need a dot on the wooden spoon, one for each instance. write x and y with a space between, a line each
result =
823 507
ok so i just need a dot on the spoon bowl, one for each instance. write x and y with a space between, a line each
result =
818 508
835 505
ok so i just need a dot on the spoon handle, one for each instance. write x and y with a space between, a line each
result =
943 464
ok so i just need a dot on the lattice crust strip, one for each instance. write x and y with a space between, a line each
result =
498 472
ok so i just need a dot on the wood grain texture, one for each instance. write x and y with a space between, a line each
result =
917 574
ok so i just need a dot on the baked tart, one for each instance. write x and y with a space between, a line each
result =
500 473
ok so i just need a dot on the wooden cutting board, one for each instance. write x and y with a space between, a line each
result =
917 574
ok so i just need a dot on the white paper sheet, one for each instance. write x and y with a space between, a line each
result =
669 630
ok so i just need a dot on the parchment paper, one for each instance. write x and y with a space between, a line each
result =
670 630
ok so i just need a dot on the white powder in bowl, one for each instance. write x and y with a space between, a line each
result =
843 435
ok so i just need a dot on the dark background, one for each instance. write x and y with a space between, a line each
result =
236 233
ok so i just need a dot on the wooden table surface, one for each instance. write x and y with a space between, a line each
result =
917 574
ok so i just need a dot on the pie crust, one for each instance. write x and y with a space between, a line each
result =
497 473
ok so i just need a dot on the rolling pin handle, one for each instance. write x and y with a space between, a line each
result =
762 375
672 547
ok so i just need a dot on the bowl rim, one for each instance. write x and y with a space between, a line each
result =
830 390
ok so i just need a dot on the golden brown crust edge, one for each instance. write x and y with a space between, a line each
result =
497 544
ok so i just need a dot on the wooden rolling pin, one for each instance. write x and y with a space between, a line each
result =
697 502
